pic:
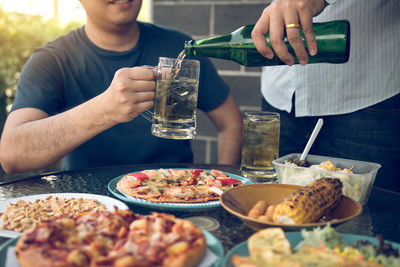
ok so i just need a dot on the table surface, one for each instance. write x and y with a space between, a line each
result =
380 215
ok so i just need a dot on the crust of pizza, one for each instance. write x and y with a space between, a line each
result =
133 192
158 198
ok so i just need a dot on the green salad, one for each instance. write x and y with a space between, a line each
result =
328 238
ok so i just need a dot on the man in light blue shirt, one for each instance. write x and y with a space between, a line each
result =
359 100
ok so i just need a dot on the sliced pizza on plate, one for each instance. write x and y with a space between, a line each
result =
177 185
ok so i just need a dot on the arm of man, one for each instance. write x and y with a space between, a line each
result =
227 118
273 20
31 139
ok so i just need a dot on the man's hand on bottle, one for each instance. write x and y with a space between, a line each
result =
286 16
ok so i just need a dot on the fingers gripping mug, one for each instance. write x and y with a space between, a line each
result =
175 102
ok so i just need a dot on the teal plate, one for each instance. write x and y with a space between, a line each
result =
212 242
112 187
294 238
3 252
215 246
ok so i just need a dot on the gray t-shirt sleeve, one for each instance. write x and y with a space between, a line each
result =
39 85
212 88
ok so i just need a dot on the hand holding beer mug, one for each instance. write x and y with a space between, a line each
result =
175 103
260 145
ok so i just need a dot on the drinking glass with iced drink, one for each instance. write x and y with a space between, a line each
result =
260 145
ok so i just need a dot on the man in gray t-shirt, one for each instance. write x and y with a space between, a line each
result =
80 97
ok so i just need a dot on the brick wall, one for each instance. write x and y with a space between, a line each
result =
205 18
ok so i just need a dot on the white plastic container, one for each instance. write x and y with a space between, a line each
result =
357 185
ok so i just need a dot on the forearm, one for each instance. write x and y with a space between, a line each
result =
40 142
230 146
227 118
33 140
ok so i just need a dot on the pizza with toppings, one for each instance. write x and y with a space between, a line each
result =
120 239
177 185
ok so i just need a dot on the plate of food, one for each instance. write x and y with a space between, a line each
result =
168 241
291 207
320 245
19 214
175 189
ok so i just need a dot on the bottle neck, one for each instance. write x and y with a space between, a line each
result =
189 48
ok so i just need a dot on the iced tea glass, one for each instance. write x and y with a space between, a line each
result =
260 145
175 103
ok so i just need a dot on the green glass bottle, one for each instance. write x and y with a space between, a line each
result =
333 41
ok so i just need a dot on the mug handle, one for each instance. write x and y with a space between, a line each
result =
148 115
158 72
154 69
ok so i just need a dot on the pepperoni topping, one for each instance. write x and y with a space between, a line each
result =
227 181
197 172
140 176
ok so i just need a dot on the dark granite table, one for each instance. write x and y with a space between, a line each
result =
380 215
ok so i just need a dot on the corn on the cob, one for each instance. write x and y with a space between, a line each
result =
309 203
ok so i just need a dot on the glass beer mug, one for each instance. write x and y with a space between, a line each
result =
175 102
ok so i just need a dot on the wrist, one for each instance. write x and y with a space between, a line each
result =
98 113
